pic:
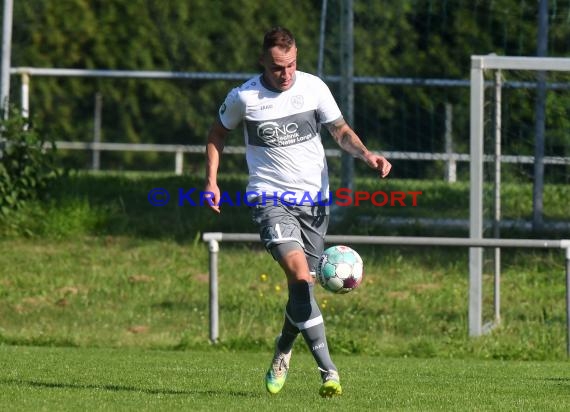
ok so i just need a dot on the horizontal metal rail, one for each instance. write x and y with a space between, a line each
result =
406 240
153 147
166 75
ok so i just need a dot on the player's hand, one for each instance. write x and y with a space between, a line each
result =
213 203
379 163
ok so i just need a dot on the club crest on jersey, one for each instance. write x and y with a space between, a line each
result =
297 101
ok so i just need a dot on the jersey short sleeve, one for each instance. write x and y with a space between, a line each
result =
232 110
327 108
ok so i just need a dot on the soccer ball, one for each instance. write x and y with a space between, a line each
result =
340 269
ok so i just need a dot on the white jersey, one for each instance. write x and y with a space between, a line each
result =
284 151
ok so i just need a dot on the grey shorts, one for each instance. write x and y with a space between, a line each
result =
283 228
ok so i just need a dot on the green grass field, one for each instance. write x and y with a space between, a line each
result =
105 307
72 379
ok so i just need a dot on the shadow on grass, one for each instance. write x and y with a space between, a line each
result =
121 388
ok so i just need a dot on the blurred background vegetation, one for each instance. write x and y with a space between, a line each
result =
416 39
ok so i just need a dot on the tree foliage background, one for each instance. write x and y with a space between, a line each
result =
407 38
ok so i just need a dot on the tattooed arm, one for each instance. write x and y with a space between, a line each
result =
349 141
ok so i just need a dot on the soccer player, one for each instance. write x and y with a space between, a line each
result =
282 110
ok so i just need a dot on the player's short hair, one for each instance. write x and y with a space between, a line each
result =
278 37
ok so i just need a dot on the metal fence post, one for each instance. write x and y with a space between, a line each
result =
476 197
566 244
213 248
97 120
7 23
178 162
451 163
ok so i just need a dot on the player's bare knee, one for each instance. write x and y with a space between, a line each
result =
291 257
279 251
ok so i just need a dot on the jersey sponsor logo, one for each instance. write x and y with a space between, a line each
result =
273 130
282 132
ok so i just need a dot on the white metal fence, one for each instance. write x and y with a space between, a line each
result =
449 157
475 293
